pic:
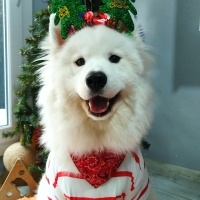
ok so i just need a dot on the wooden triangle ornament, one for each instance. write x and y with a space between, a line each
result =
9 190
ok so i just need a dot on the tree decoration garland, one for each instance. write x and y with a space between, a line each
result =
26 112
73 15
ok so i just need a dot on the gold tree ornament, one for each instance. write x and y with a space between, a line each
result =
15 151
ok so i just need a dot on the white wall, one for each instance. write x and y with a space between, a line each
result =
175 133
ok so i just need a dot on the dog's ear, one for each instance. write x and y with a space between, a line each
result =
54 34
143 48
138 33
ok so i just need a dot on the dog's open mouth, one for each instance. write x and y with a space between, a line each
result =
100 106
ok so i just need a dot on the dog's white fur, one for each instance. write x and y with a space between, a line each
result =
68 126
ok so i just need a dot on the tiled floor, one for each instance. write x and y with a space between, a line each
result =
169 189
174 183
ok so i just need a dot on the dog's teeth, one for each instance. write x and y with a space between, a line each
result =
108 104
90 105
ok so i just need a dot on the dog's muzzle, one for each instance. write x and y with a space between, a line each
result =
98 105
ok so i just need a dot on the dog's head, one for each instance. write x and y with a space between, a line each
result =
97 65
95 81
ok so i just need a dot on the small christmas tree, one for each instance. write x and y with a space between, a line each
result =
26 110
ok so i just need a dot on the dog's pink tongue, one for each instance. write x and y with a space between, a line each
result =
98 104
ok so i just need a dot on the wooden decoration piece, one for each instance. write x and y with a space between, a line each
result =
9 190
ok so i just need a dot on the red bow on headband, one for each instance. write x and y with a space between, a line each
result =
100 18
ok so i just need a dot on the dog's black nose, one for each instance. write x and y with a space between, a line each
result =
96 80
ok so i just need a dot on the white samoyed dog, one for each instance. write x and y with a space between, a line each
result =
95 100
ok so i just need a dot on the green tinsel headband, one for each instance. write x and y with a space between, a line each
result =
76 14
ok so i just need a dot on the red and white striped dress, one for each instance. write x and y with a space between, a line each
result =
129 181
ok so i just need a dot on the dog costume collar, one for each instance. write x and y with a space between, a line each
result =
98 168
73 15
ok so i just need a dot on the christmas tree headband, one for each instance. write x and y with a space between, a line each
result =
73 15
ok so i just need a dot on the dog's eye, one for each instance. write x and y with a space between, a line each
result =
80 62
114 59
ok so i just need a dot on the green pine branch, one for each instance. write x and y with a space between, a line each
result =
25 110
